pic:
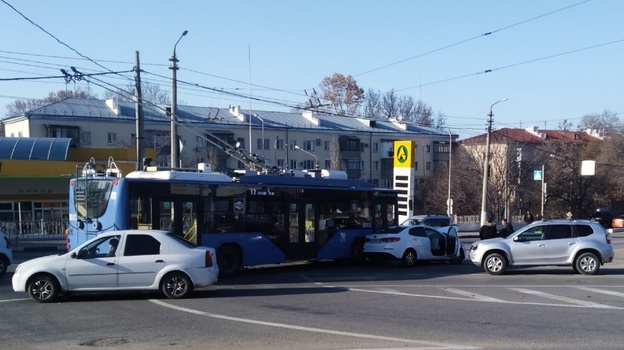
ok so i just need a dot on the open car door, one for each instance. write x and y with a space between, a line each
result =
451 241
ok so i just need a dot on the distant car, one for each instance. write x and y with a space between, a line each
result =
437 220
583 244
142 260
603 216
617 222
410 244
6 253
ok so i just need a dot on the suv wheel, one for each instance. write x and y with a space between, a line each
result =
495 264
587 264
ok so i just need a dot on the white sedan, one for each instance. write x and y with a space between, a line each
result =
412 243
120 260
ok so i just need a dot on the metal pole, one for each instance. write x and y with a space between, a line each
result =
449 203
140 147
486 163
543 192
174 98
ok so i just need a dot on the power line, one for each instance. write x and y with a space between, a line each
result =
513 65
472 38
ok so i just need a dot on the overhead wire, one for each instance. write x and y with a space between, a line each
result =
473 38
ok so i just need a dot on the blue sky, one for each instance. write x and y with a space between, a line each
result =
553 60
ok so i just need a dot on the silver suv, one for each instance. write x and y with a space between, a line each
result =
582 244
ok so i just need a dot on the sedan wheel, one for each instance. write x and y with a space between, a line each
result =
43 289
409 258
176 285
495 264
587 264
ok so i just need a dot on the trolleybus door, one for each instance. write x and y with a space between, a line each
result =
178 215
303 226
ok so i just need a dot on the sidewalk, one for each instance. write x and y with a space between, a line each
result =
39 245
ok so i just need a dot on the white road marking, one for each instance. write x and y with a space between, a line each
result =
602 291
562 298
473 295
9 300
428 344
574 303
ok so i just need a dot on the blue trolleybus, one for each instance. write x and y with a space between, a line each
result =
250 218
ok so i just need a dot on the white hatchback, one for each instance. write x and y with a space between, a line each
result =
120 260
410 244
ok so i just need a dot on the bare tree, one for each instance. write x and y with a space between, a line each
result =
372 105
405 105
423 114
605 121
334 153
390 105
19 107
342 93
150 92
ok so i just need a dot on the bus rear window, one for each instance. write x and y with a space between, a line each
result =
92 197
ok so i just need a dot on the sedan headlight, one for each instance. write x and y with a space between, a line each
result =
473 247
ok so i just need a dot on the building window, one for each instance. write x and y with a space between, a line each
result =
376 165
199 141
111 138
309 164
280 163
375 147
263 144
327 163
85 137
428 166
428 148
279 143
415 165
308 145
354 165
64 131
327 145
293 164
293 144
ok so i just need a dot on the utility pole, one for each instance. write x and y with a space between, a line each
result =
138 101
174 100
486 164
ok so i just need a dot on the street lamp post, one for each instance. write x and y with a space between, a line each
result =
449 201
316 165
487 162
174 98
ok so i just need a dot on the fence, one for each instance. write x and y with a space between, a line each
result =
34 229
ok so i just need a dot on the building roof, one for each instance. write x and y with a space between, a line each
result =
34 148
527 136
222 118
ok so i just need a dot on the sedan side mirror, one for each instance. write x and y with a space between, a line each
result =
518 238
73 255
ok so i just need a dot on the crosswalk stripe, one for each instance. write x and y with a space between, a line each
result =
472 295
602 291
561 298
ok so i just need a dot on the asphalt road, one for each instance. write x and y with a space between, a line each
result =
327 306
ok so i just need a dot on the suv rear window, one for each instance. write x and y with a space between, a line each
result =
583 230
437 222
